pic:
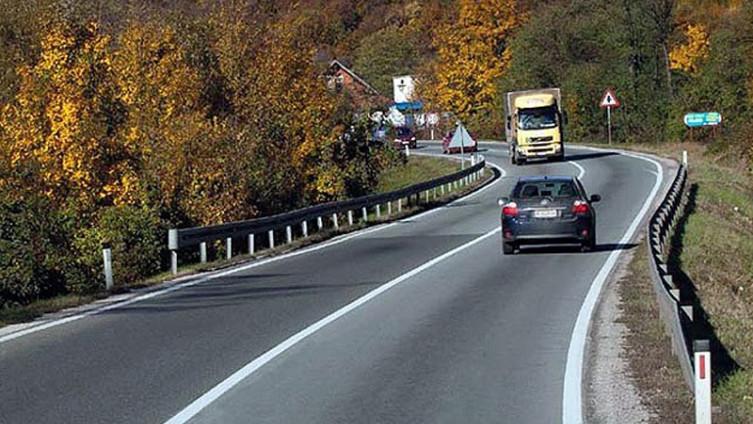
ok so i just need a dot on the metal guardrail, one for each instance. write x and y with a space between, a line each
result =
199 236
676 314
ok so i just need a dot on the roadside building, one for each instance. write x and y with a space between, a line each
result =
364 96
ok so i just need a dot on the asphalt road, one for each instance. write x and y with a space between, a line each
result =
476 337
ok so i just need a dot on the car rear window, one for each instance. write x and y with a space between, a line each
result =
403 131
538 189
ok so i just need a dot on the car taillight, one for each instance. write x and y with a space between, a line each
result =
580 208
510 209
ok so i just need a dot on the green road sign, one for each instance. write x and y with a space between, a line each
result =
703 119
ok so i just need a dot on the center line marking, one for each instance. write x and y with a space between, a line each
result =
213 394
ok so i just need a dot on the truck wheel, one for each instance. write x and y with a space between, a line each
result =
508 248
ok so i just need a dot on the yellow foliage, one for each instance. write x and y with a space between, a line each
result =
472 55
687 57
58 123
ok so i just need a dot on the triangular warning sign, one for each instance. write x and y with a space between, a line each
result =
609 100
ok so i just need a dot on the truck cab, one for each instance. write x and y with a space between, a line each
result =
534 124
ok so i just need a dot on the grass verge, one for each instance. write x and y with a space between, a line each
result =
417 169
713 250
653 366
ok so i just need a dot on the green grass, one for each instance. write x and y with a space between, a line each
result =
40 307
417 169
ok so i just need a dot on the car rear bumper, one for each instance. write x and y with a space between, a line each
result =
576 231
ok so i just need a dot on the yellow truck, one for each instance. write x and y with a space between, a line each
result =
534 125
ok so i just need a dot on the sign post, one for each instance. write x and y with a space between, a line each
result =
609 101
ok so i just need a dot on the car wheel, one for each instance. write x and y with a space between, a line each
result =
508 248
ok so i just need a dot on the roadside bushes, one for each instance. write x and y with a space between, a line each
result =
133 234
43 254
32 236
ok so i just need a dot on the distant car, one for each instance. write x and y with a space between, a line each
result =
548 210
447 139
405 136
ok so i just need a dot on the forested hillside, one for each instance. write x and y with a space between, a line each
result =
122 118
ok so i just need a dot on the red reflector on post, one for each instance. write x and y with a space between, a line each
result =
702 366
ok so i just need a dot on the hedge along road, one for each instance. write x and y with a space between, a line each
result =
474 336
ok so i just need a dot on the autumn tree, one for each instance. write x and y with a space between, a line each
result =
60 126
472 53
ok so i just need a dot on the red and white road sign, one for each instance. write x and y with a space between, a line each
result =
610 100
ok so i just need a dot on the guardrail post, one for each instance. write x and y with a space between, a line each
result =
441 189
335 223
229 248
250 244
365 214
271 239
350 218
434 193
305 228
378 211
107 257
400 204
289 234
174 262
427 196
389 208
702 362
319 223
203 252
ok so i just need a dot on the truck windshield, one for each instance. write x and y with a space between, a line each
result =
537 118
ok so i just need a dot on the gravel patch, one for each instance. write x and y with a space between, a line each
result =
611 394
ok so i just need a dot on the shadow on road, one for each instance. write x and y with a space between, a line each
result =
573 248
226 293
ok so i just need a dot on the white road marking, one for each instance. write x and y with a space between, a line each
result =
335 241
581 171
572 402
213 394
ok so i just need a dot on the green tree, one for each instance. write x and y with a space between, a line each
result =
384 54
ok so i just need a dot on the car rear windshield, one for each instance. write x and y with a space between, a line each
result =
540 189
403 132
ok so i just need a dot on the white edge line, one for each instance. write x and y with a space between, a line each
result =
572 407
213 394
337 240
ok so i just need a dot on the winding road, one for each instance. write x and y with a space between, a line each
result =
418 321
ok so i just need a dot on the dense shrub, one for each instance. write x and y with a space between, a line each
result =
32 240
133 234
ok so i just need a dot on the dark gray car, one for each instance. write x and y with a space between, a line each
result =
548 210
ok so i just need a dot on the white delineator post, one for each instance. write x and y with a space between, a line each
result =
250 244
609 123
203 252
407 151
107 257
685 157
228 248
702 362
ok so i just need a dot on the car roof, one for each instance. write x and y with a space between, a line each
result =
539 178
